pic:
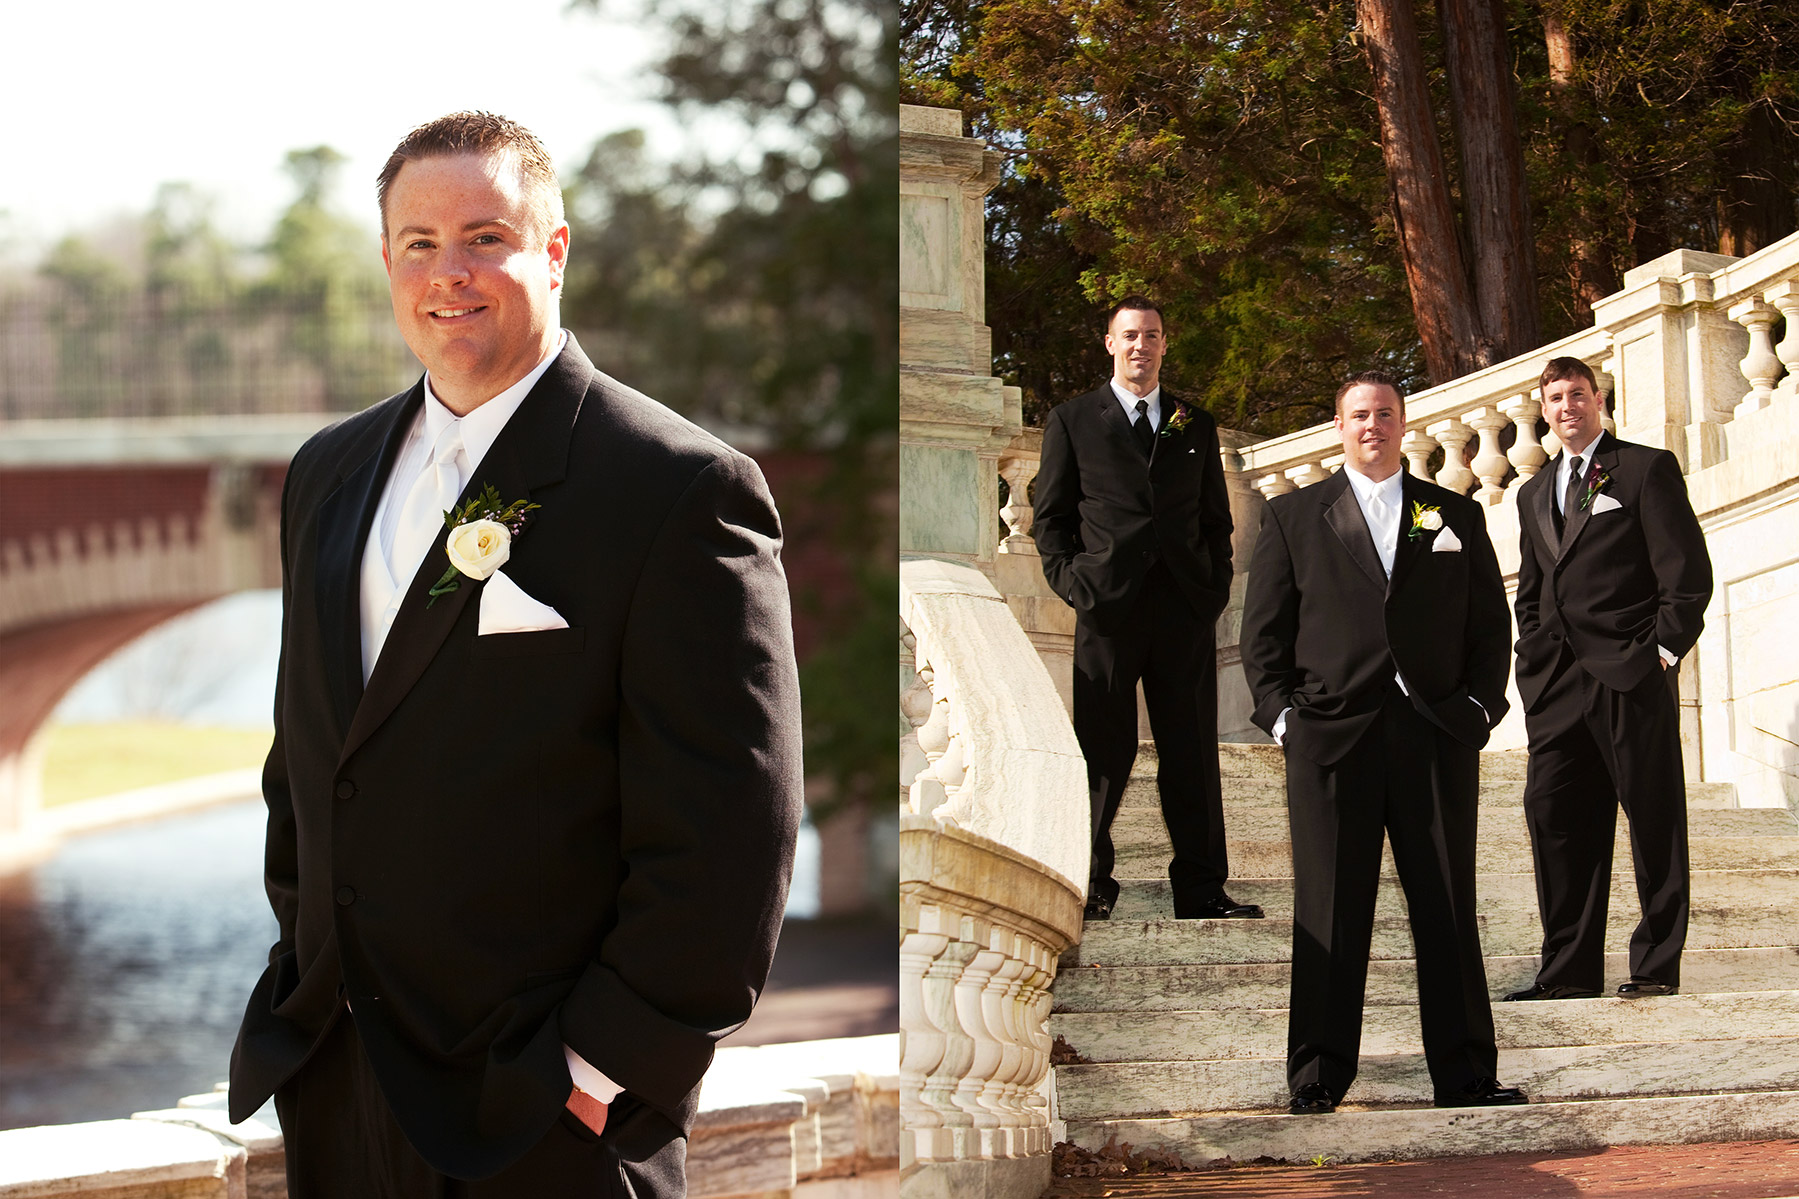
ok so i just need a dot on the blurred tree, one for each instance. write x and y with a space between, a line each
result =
758 290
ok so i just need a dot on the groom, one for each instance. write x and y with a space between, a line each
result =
531 802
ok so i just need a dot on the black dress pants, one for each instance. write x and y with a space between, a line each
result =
1591 750
343 1143
1413 782
1159 641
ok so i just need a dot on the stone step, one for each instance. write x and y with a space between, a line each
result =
1722 890
1268 761
1495 853
1547 1074
1390 980
1143 827
1422 1132
1221 1034
1140 794
1504 932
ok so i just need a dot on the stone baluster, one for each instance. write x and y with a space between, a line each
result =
1526 455
989 1047
1418 446
1273 485
1761 366
1334 463
1606 383
922 1044
1490 463
1785 298
1453 436
938 1091
1552 444
928 791
1001 1093
1306 474
1018 470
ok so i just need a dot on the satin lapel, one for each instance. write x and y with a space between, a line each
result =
1344 516
1605 456
1117 426
531 452
1406 553
345 517
1541 506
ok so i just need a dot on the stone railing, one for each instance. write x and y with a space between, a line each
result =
993 833
796 1120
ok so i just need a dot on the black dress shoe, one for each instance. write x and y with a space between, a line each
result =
1218 907
1098 908
1313 1099
1644 988
1482 1092
1539 991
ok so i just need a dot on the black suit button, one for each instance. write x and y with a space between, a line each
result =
1555 636
345 788
346 896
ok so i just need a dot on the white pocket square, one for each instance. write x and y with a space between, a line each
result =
1605 503
505 608
1446 542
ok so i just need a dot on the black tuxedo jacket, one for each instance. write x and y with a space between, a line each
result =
509 842
1621 582
1103 515
1324 629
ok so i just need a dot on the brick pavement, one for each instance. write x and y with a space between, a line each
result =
1741 1170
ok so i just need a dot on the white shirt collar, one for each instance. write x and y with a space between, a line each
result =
1585 453
1389 489
1130 400
483 425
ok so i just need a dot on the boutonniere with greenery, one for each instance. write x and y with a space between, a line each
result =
1426 518
480 539
1183 416
1597 482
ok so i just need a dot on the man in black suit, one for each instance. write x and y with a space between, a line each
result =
1613 579
1374 641
534 785
1134 526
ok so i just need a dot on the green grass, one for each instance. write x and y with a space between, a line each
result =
82 761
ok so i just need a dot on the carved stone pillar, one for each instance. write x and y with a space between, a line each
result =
1418 446
1490 463
1526 455
1018 470
1273 485
1307 474
1760 365
1453 436
1785 298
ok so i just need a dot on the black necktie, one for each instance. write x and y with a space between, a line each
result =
1573 494
1146 436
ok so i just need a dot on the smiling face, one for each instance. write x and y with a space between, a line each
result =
1371 420
1574 410
1136 344
473 275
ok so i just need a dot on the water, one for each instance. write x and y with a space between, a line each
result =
125 962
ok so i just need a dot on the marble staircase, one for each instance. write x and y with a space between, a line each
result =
1180 1027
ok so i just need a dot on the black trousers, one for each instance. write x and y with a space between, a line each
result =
343 1143
1162 643
1592 749
1413 782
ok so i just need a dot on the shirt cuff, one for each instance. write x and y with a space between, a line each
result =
1667 658
1481 706
588 1079
1280 727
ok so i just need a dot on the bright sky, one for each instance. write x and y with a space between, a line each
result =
118 96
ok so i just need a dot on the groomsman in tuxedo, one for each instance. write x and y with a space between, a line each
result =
1374 641
1613 580
1134 526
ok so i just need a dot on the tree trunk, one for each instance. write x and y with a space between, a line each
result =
1756 207
1495 197
1448 323
1591 268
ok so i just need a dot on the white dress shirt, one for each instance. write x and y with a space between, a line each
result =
1130 401
384 582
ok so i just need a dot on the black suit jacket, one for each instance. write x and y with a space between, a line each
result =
1621 582
1324 629
1103 515
510 842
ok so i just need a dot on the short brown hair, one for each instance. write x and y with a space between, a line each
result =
1134 303
1370 378
1558 369
480 133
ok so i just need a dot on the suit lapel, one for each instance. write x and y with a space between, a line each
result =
1604 457
530 453
1116 424
345 518
1409 548
1344 516
1540 506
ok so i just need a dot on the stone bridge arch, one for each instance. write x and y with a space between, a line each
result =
107 529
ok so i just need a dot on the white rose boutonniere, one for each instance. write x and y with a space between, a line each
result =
480 539
1425 519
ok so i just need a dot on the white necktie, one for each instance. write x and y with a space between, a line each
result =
1385 530
422 516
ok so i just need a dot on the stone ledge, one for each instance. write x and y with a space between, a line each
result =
119 1157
